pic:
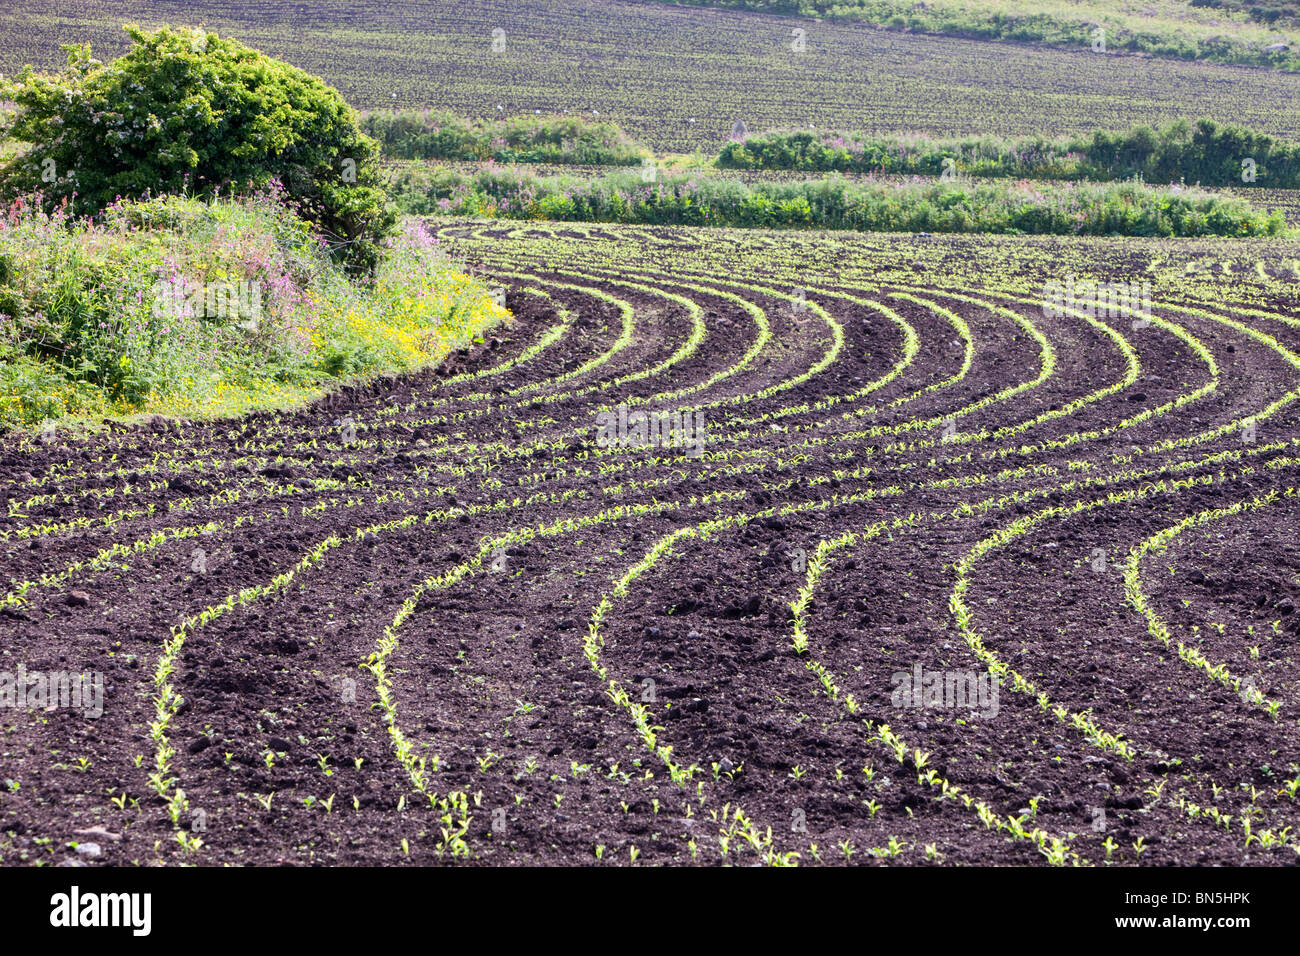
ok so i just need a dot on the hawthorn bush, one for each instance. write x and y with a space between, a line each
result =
186 111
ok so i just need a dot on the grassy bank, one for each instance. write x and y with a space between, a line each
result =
183 307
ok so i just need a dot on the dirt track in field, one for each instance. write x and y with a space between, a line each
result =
315 627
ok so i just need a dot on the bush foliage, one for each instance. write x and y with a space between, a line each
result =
189 112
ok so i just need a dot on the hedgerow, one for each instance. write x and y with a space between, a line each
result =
1206 153
1118 209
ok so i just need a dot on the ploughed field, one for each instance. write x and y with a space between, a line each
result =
464 616
678 78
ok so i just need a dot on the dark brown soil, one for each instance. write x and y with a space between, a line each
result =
489 678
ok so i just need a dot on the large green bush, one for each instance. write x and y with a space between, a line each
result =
188 111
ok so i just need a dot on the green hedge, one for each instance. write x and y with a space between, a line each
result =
1204 153
833 202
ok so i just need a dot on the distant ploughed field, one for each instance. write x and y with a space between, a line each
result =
655 69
